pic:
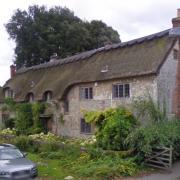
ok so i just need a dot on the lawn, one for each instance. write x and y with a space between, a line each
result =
53 169
60 164
48 168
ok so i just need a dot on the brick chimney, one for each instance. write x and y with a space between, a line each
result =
175 32
13 70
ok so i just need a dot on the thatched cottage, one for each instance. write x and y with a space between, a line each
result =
106 77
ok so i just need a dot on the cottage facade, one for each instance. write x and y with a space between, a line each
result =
98 79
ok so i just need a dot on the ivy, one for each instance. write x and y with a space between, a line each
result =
37 109
9 105
24 118
27 115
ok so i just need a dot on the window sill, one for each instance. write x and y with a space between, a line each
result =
117 98
86 99
66 113
84 133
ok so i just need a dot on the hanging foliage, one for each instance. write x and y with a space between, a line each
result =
114 125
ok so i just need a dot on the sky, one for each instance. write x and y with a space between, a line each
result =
131 18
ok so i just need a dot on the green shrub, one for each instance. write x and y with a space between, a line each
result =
44 154
24 143
9 105
95 152
48 147
106 167
24 118
9 123
37 109
166 133
52 155
147 109
33 130
114 125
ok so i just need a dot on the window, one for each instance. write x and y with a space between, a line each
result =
85 127
86 93
175 54
30 97
9 93
47 96
121 90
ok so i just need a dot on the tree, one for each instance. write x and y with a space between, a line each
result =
101 34
39 32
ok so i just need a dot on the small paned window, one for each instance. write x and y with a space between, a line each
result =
126 90
85 127
121 90
86 93
175 54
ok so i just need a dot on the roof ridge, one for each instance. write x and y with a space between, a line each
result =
87 54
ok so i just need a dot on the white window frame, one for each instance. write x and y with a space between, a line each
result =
124 91
83 95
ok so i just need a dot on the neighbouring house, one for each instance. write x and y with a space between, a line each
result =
101 78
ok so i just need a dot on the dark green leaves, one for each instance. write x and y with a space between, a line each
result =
39 32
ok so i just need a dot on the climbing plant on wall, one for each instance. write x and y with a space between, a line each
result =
37 109
26 115
114 125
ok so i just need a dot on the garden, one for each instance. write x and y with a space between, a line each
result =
118 149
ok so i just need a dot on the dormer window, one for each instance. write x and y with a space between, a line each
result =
47 96
30 97
8 93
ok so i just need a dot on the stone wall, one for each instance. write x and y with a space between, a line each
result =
160 87
102 99
166 82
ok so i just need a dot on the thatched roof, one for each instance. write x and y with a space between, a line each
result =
143 56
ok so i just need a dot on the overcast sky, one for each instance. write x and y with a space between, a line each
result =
131 18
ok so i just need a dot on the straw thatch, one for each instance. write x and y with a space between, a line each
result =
139 57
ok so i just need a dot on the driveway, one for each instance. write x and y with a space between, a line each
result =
173 174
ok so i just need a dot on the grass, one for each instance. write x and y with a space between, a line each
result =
53 169
56 163
81 166
48 168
